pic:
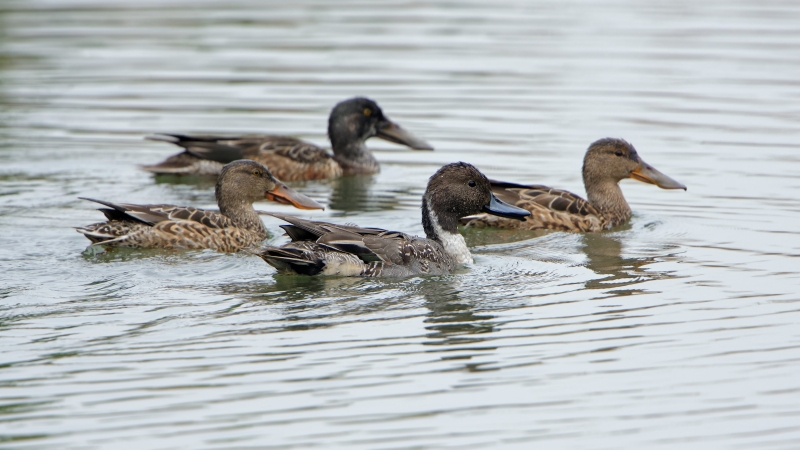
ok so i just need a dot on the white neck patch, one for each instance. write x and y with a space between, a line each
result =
454 244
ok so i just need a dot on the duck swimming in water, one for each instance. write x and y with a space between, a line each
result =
351 123
607 161
236 225
321 248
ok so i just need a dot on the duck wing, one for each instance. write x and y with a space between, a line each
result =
225 149
155 214
551 209
543 197
368 244
295 149
291 159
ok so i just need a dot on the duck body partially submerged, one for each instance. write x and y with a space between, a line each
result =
607 161
234 227
350 124
322 248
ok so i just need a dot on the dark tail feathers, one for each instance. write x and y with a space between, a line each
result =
292 260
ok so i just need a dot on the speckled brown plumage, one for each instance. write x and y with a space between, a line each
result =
212 230
289 159
236 226
607 161
551 209
351 123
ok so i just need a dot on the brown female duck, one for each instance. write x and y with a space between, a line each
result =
607 161
351 123
321 248
236 225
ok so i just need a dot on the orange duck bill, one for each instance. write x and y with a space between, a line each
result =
648 174
283 194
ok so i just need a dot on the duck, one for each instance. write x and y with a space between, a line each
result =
606 163
321 248
235 227
351 123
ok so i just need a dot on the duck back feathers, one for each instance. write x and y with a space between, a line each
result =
607 161
330 249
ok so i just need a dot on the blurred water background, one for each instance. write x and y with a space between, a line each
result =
678 330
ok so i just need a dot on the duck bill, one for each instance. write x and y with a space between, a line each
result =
283 194
500 208
648 174
393 132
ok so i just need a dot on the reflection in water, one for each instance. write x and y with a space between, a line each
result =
451 319
291 289
453 324
322 298
604 257
603 251
101 254
195 181
492 236
353 194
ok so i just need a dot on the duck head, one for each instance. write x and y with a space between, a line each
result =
355 120
244 182
458 190
611 160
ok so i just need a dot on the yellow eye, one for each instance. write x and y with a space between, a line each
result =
257 173
367 112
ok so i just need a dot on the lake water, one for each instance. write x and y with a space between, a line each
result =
680 330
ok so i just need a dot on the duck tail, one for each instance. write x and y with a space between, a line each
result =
99 237
292 260
166 137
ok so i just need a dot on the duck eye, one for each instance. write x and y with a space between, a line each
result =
257 173
618 153
471 183
367 112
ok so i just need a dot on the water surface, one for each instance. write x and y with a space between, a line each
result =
679 329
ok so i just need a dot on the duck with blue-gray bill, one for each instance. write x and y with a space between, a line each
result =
321 248
234 227
607 162
350 124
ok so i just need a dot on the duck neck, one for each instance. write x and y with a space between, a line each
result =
443 228
606 196
241 213
354 157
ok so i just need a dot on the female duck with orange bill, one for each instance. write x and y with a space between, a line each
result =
607 162
236 226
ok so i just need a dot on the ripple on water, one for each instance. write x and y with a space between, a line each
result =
676 329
